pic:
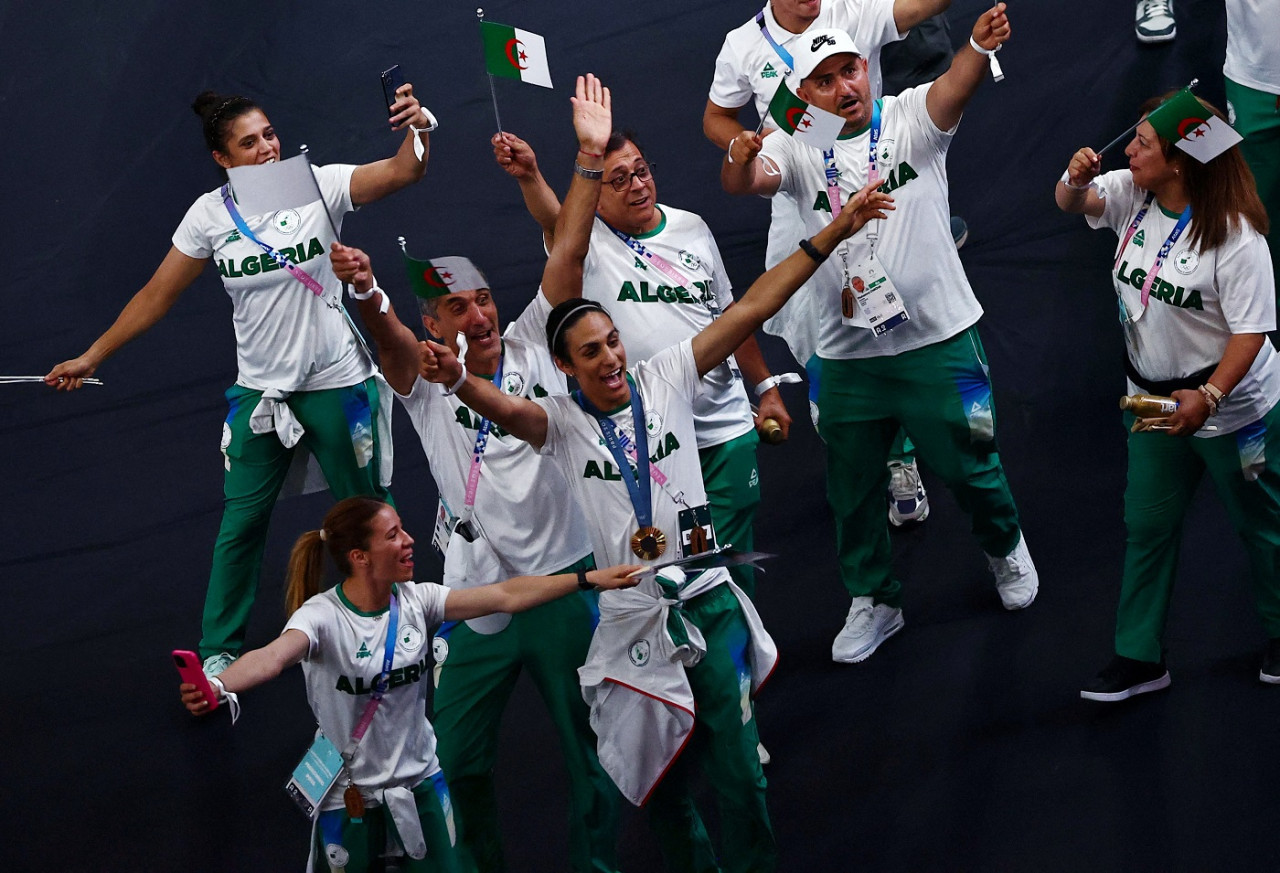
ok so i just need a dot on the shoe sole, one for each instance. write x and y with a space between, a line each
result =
1152 40
898 520
1140 688
889 631
1014 607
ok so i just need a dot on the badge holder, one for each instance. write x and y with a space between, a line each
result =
697 534
315 775
868 297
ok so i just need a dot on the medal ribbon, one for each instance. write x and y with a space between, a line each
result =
477 455
281 260
380 684
653 258
637 485
783 54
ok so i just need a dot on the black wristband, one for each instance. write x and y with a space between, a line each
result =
583 584
811 250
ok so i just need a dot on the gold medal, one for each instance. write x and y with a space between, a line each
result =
697 540
846 302
648 543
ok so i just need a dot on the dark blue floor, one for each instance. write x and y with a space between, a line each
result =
960 746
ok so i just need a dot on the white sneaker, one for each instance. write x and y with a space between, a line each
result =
867 626
215 664
1016 576
907 500
1153 21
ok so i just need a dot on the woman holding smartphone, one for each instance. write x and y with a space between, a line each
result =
340 636
303 375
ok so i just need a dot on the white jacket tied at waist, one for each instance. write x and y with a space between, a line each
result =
642 708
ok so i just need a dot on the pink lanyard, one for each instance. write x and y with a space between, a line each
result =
1183 221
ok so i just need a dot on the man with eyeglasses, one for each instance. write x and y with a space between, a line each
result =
658 271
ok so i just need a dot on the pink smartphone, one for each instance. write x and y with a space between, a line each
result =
189 668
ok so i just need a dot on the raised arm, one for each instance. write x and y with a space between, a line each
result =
397 345
522 593
252 668
519 416
516 158
153 300
374 181
592 122
746 173
721 124
908 13
951 91
1081 196
767 294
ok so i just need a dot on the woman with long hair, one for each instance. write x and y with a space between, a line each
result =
340 636
1193 280
303 376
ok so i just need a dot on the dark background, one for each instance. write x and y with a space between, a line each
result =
962 745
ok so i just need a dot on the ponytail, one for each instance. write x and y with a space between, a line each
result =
346 527
306 566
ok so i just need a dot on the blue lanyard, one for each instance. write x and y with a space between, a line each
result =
637 480
873 166
389 649
832 173
782 53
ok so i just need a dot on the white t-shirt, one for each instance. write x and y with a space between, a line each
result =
748 68
915 245
651 315
523 504
286 336
667 384
1253 45
342 662
1203 298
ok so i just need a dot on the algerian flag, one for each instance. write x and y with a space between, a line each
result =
516 54
260 189
425 280
1184 121
809 124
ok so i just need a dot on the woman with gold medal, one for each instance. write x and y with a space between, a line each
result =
660 679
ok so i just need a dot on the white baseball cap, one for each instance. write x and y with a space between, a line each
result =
818 45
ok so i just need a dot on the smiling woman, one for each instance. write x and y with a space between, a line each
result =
303 378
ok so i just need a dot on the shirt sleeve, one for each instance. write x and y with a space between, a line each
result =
913 103
430 598
335 187
676 366
555 410
192 236
531 325
309 619
1120 198
871 24
779 148
730 86
1246 284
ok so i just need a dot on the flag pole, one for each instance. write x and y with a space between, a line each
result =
493 93
1122 137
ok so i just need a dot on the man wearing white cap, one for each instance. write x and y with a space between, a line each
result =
897 317
504 511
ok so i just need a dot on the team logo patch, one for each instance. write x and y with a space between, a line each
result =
411 638
440 650
363 652
884 153
638 652
690 260
287 221
768 72
1186 261
1140 238
234 237
513 383
754 480
652 423
337 855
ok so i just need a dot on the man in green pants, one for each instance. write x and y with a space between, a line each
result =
504 511
898 340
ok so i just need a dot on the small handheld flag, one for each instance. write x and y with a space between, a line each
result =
425 280
1185 122
809 124
515 54
260 189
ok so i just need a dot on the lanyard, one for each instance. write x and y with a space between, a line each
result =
477 455
637 480
379 684
1183 220
873 165
284 263
659 262
783 54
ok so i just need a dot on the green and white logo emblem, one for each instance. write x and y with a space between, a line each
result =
638 652
1186 262
652 423
363 652
287 221
513 383
768 72
1140 238
411 638
690 260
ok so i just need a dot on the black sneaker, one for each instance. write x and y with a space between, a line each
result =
1125 677
1270 672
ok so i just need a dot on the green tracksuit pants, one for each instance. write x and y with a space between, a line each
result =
723 747
1257 119
941 396
474 681
341 431
1163 473
732 481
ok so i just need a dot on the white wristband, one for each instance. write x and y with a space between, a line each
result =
729 154
418 149
453 389
1066 180
973 44
230 697
773 381
383 306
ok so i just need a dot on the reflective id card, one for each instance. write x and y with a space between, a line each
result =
697 534
446 521
869 299
315 775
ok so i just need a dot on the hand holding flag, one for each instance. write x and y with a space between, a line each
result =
809 124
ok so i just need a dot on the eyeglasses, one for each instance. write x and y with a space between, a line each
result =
644 173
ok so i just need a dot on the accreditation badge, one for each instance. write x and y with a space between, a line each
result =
446 521
697 534
869 299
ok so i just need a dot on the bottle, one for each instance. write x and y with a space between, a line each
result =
1149 406
771 431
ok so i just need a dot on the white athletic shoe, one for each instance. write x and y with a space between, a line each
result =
1153 21
907 500
215 664
1016 576
867 626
